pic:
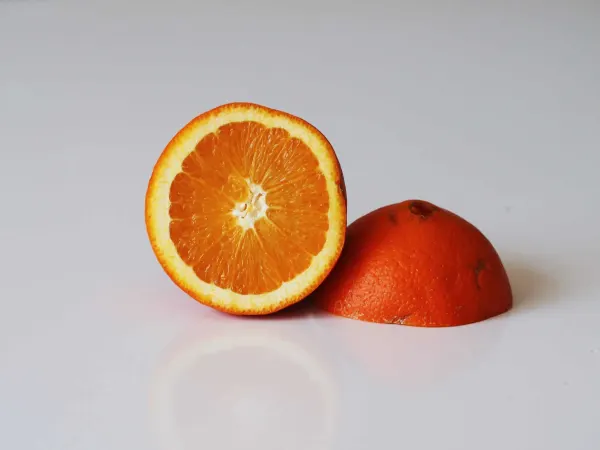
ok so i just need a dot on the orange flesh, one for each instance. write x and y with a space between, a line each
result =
228 180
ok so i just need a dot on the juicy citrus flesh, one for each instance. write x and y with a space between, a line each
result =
252 191
413 263
245 209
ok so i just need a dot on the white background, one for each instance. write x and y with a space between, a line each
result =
489 109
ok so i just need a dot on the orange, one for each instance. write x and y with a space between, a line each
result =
246 209
413 263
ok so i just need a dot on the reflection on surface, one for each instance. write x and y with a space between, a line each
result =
313 381
401 385
414 357
244 384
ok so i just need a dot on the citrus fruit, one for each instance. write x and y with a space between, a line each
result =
414 263
246 209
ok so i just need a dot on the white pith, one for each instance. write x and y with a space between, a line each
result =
253 209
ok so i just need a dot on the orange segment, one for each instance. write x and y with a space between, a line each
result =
246 209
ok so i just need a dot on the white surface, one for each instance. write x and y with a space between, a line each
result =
490 111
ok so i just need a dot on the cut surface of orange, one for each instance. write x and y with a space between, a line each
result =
246 209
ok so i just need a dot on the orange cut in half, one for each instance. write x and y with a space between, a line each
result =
246 209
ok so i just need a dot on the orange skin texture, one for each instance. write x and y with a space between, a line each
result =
413 263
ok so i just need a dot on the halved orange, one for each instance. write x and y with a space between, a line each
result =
246 209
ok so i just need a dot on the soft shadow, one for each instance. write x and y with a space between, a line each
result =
301 310
532 286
